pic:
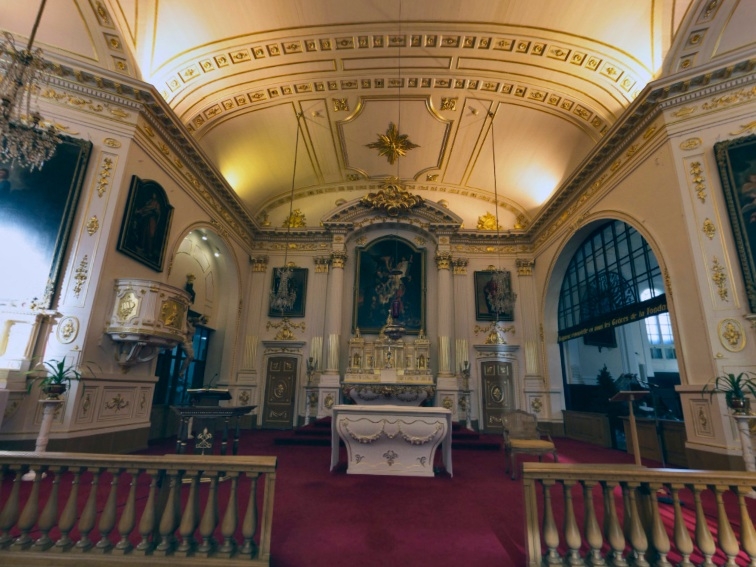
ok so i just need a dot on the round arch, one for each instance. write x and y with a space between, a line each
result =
555 276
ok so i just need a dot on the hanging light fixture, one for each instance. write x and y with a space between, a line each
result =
499 294
25 138
393 329
284 295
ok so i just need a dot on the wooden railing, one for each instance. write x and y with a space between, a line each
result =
657 506
80 508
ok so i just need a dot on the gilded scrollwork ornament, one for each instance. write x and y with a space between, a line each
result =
392 198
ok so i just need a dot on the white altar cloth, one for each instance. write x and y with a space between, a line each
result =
391 440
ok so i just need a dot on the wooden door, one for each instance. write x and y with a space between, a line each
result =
497 393
280 390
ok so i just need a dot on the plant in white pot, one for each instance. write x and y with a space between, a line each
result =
735 387
57 379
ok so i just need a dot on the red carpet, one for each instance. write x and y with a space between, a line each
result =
475 519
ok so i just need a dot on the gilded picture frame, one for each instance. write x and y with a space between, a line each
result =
146 223
736 160
298 283
389 270
37 209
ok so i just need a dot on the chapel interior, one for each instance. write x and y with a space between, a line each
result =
480 206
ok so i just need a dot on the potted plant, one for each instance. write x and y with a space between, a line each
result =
58 377
735 387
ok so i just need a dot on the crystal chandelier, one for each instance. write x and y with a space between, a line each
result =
25 138
283 296
499 295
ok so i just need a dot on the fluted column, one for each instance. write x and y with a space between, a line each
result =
445 314
257 302
334 303
535 389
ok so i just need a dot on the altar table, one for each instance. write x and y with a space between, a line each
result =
391 440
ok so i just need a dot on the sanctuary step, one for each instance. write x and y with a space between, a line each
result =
319 433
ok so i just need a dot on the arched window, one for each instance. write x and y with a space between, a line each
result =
613 273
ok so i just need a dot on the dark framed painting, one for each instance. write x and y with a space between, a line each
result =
36 212
484 285
737 168
390 277
298 285
146 223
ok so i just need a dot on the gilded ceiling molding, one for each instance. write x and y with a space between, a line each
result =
617 77
591 118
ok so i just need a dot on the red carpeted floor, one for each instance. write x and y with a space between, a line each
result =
333 519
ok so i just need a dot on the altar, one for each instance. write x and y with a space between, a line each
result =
389 372
391 440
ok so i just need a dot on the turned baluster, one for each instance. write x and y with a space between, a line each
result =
747 532
571 529
169 521
9 515
612 529
149 516
659 537
190 518
209 518
635 531
727 540
108 515
28 517
128 516
88 515
683 543
249 525
68 517
591 527
550 531
704 539
49 516
230 520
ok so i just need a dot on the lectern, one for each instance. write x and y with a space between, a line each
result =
205 408
630 396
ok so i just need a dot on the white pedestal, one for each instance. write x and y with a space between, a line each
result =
391 440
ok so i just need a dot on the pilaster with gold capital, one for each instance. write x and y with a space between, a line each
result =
259 263
524 266
459 266
338 259
322 263
443 260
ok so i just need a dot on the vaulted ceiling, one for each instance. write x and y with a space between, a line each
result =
461 100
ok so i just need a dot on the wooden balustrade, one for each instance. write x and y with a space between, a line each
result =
167 509
648 497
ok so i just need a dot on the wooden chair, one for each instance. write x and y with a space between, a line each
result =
521 435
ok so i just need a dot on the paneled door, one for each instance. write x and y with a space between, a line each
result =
497 393
280 389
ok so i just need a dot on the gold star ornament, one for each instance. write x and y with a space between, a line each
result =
392 144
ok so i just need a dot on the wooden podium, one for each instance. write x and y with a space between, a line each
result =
204 409
630 396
